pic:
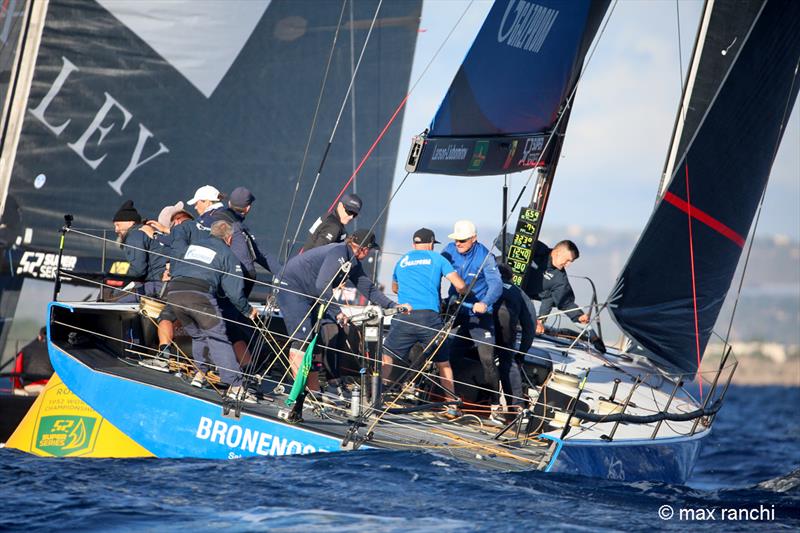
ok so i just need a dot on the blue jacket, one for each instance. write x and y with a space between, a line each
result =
143 264
190 231
209 259
489 286
317 272
244 244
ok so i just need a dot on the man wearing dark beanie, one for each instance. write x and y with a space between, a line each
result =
147 269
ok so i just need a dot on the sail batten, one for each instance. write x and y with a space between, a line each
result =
726 149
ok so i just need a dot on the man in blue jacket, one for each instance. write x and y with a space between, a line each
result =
207 267
206 201
146 268
310 278
476 266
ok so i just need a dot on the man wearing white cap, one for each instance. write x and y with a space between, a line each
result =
205 201
476 266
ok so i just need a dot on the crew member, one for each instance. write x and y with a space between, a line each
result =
207 266
147 268
245 248
473 262
309 279
331 229
547 282
513 309
206 200
417 280
244 244
32 365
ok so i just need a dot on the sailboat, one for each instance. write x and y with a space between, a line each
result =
627 414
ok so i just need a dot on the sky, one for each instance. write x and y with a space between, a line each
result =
617 138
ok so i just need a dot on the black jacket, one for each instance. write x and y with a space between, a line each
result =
513 309
325 231
550 285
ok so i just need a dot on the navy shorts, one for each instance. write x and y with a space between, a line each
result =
407 330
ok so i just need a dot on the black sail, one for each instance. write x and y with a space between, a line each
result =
224 102
726 162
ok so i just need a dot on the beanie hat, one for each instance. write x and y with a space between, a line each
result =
127 213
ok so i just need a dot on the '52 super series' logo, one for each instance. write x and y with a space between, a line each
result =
43 265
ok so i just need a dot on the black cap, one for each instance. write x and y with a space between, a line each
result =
352 202
241 197
127 213
364 238
424 236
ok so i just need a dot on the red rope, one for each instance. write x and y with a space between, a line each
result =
369 152
694 285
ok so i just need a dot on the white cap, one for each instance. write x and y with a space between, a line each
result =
165 215
206 192
463 229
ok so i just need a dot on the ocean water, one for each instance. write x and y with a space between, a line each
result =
750 464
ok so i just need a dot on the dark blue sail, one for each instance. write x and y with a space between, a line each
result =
715 189
508 93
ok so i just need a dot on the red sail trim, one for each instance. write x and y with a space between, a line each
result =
705 218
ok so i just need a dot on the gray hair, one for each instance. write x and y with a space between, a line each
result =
221 229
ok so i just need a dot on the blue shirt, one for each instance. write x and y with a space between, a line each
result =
419 276
488 287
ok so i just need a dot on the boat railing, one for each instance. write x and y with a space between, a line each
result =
277 342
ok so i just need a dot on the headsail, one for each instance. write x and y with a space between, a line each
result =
724 159
510 89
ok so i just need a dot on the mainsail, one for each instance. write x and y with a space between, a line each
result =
149 100
745 82
513 84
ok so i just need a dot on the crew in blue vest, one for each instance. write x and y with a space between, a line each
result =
206 267
310 278
417 280
476 266
146 268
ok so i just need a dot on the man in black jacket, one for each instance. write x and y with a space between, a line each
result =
511 310
547 281
331 229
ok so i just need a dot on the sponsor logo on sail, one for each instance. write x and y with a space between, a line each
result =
478 156
451 152
531 152
64 435
248 440
528 27
44 266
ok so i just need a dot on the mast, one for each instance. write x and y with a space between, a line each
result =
16 101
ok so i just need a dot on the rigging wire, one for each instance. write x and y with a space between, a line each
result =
400 106
313 128
336 124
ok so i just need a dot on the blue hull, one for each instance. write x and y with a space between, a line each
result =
664 460
175 425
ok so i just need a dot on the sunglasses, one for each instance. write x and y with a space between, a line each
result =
462 241
351 213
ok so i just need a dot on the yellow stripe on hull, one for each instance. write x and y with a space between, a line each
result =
59 424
